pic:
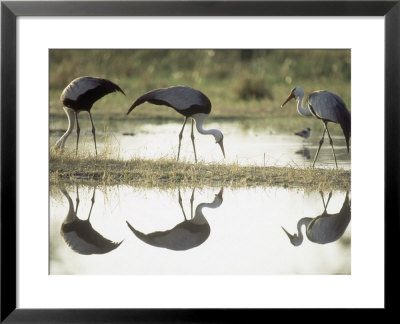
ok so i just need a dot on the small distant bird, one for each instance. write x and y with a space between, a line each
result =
326 106
326 228
188 102
80 95
186 235
79 234
304 133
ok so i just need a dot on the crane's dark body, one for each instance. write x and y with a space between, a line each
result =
183 236
185 100
85 239
329 228
329 107
83 92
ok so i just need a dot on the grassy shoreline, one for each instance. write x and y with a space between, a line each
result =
170 173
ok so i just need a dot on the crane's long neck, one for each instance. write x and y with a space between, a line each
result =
304 221
71 120
71 213
199 216
200 118
302 110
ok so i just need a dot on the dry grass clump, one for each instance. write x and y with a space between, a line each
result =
170 173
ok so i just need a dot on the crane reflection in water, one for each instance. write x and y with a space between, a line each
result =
186 235
79 234
325 228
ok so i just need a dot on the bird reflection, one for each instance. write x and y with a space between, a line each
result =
79 234
186 235
325 228
304 152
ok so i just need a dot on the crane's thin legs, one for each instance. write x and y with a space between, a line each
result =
191 204
330 141
329 198
78 130
320 144
180 137
323 200
91 207
180 203
194 147
93 132
77 200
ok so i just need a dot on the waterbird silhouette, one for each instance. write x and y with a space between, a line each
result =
323 229
79 234
80 95
186 235
188 102
327 107
304 133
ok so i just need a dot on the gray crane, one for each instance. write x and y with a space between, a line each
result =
80 95
186 235
325 228
327 107
188 102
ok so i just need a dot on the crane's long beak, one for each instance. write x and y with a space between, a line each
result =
220 193
291 96
221 144
290 236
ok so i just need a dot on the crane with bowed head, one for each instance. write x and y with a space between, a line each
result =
188 102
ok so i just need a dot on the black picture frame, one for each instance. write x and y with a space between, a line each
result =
11 10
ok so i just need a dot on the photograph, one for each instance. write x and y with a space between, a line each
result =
190 161
137 188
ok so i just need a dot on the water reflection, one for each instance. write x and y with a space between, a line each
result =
79 234
325 228
145 219
304 152
187 234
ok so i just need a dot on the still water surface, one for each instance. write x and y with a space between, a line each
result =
129 230
252 146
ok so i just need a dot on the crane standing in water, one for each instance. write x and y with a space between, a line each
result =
188 102
326 106
80 95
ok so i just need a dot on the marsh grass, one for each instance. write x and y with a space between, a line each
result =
166 172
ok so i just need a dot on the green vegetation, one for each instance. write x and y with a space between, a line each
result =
170 173
242 84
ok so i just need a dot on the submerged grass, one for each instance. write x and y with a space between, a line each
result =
170 173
